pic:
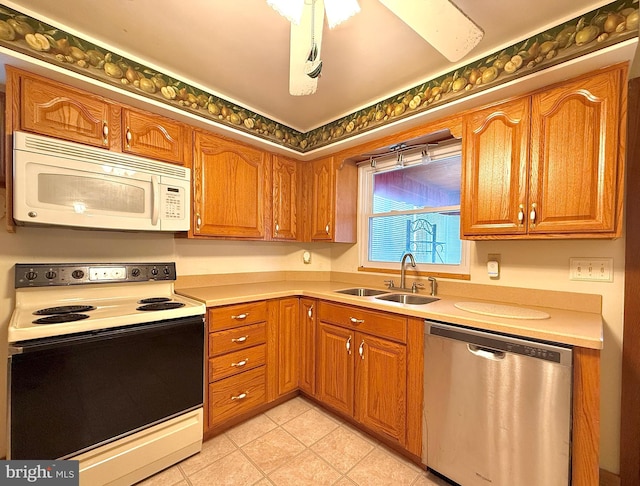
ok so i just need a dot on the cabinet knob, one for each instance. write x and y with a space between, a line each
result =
105 132
361 349
327 228
128 137
520 214
310 312
349 345
198 221
277 228
241 396
532 215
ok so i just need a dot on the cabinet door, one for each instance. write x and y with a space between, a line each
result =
334 383
156 137
496 153
307 348
574 157
322 199
64 112
288 345
381 385
284 198
229 188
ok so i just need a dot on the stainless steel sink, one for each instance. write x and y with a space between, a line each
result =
361 292
408 299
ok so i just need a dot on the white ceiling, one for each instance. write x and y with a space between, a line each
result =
238 49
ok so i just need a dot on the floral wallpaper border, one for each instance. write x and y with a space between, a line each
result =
611 24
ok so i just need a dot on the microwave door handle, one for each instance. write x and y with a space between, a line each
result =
155 195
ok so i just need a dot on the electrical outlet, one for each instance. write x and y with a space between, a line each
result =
593 269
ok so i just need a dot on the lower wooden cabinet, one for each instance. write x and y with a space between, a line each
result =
362 375
307 349
288 345
236 361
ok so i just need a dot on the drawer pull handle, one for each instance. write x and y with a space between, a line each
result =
310 312
361 349
349 345
356 321
105 132
532 215
129 137
240 364
240 317
520 214
241 339
241 396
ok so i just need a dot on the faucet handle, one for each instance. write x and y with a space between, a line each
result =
390 283
415 286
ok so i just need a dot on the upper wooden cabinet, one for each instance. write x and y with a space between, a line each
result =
229 185
155 137
547 165
54 109
330 192
284 197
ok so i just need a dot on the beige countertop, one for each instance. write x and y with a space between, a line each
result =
570 327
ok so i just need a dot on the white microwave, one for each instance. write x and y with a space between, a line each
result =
63 183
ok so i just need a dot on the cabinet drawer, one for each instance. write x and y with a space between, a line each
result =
377 323
233 363
237 315
235 339
236 395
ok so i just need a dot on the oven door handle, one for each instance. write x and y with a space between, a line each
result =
25 347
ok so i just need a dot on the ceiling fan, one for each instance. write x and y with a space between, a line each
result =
427 18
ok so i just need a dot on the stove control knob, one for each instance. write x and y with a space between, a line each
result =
77 274
51 274
31 275
135 272
166 271
154 271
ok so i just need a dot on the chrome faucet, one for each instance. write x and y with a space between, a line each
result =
403 263
434 285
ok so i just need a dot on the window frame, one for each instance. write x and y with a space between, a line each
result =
365 201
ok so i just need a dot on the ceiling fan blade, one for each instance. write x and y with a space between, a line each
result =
440 23
304 52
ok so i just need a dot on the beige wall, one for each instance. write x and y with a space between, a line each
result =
529 264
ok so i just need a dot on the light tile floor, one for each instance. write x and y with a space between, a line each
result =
295 443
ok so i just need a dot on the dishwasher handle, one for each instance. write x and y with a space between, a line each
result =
486 353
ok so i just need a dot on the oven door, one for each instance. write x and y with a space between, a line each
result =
74 393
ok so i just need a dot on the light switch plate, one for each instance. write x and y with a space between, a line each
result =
592 269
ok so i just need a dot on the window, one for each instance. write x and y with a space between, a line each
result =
411 203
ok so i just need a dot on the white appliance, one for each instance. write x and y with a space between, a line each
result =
63 183
106 366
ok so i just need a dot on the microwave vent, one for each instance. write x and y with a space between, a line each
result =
49 146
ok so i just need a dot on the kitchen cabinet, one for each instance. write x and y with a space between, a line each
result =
50 108
332 189
307 348
284 197
229 187
236 357
156 137
288 345
362 367
47 107
549 164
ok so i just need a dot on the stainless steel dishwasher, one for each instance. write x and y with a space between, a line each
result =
497 409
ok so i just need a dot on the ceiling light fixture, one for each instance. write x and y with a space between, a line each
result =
440 22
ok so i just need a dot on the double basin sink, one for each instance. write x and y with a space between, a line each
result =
411 299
